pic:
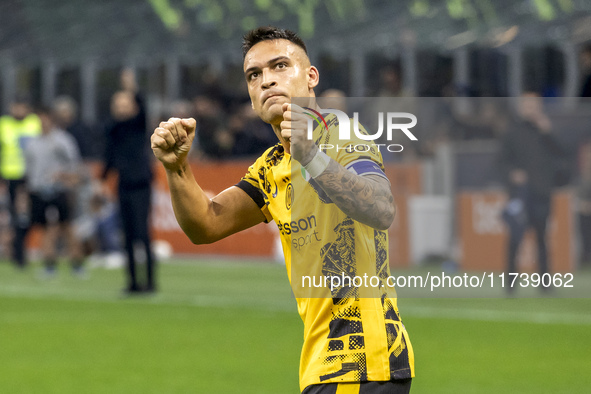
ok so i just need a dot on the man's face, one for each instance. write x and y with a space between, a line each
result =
65 114
276 71
19 110
123 106
530 105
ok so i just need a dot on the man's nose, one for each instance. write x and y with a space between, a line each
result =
269 80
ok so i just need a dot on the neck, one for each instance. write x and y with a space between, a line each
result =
284 142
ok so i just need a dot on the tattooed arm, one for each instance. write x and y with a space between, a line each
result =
367 199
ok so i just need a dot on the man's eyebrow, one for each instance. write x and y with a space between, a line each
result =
274 60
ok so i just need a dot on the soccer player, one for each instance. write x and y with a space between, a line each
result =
352 344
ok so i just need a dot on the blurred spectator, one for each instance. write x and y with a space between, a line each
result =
586 70
334 98
484 119
96 220
213 139
5 222
584 190
584 204
127 152
251 136
106 222
181 109
66 116
16 131
212 86
390 82
53 161
390 97
529 152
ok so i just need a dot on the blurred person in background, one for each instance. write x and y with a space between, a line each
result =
65 109
529 153
584 189
16 131
182 108
584 204
335 98
5 222
390 93
250 134
484 119
53 164
213 139
106 235
586 71
96 221
127 152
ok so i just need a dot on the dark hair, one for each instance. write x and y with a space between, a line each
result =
264 33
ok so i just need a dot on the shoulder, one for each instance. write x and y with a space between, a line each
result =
274 154
259 169
36 144
64 136
271 157
32 118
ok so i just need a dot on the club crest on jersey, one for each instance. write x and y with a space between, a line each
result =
289 196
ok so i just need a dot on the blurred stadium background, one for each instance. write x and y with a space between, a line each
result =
223 320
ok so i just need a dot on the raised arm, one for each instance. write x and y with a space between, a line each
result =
204 220
365 198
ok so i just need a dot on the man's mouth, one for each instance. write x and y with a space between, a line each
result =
272 95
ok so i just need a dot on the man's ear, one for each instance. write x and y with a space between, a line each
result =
313 77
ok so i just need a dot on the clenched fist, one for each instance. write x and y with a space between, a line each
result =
294 129
172 140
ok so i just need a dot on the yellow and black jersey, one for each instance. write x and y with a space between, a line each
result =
351 333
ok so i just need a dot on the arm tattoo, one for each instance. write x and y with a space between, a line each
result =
367 199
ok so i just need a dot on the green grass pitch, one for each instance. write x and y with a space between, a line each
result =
232 327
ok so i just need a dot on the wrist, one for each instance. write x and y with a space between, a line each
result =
176 169
318 164
309 155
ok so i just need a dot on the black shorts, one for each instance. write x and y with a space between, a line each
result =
401 386
50 209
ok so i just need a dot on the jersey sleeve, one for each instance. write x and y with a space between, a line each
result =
250 184
358 156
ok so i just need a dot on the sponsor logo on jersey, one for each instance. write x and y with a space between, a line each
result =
303 231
